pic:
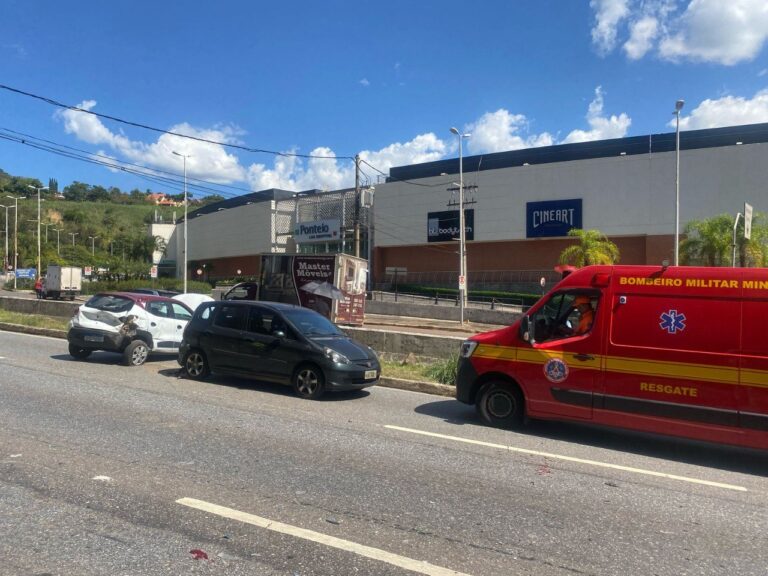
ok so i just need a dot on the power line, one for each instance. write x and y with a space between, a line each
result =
116 164
58 104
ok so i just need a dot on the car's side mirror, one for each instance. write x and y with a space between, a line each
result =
526 330
278 334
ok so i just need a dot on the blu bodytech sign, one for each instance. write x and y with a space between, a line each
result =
317 231
552 218
444 226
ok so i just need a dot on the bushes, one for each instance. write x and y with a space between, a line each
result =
444 371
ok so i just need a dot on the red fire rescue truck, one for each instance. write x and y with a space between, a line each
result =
673 350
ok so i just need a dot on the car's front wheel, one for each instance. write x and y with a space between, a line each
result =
136 353
501 404
309 382
79 353
196 365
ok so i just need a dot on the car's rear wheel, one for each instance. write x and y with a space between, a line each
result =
501 405
79 353
309 382
196 365
136 353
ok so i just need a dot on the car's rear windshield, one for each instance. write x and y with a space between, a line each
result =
110 303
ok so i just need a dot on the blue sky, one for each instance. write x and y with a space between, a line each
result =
383 79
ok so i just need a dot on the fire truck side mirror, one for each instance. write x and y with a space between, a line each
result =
526 329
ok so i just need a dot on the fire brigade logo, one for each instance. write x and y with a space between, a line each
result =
672 321
555 370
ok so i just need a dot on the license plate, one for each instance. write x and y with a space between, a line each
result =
370 374
94 338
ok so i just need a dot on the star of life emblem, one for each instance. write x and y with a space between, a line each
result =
672 321
555 370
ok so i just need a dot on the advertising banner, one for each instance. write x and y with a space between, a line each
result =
552 218
444 226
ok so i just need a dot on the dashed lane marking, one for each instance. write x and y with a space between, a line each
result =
418 566
573 459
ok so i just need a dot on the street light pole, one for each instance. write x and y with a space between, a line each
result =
39 268
58 244
462 230
678 106
5 258
15 237
93 244
73 234
184 156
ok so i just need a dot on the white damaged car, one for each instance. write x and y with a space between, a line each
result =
133 325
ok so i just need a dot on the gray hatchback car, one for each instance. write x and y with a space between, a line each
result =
276 342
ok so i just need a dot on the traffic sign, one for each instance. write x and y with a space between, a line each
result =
153 272
462 282
30 273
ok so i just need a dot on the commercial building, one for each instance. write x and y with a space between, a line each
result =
521 204
519 208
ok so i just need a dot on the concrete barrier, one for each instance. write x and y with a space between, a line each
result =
56 308
479 315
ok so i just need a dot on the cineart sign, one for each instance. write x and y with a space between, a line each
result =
552 218
317 231
444 226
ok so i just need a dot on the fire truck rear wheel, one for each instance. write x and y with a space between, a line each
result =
501 405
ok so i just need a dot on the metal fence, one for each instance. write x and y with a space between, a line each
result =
526 281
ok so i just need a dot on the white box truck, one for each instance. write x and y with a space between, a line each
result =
62 282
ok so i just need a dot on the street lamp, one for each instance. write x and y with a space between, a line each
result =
678 106
40 189
15 236
5 258
462 231
58 244
184 156
93 244
73 234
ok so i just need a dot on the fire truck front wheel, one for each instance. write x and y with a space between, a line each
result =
501 404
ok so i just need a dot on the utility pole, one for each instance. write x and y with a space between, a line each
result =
5 258
15 236
58 244
93 244
357 205
40 189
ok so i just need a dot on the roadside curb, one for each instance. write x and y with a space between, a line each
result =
411 385
51 332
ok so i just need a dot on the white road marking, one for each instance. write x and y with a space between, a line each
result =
102 478
573 459
418 566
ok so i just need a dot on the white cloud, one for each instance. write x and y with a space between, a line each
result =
725 32
498 131
207 161
365 82
642 34
492 132
727 111
292 173
602 127
720 31
608 15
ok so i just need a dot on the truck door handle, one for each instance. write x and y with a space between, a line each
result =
152 324
583 357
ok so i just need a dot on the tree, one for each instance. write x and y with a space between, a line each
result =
76 192
593 248
710 242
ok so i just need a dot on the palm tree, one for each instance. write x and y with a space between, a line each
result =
710 242
593 248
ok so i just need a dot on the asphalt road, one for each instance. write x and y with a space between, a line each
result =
106 469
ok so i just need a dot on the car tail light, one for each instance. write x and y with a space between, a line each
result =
76 312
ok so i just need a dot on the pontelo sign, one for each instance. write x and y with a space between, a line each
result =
317 231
